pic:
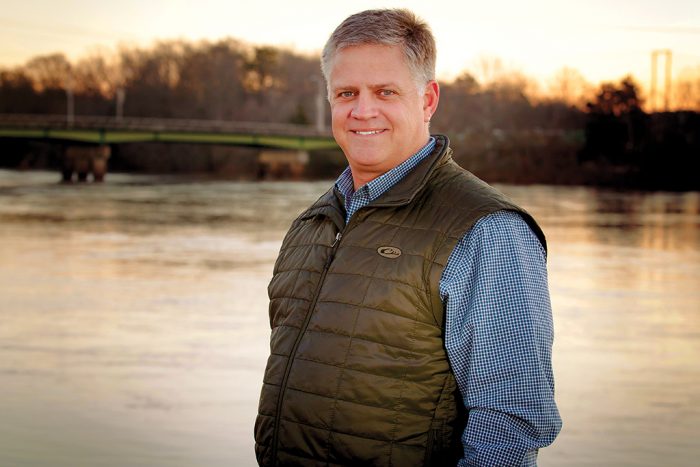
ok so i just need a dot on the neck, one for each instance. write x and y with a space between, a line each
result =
363 175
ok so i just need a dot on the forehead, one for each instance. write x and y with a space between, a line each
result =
369 62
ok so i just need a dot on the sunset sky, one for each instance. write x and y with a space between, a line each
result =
603 39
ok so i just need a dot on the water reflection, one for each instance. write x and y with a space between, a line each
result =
660 221
623 274
134 327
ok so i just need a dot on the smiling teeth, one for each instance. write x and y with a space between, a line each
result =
373 132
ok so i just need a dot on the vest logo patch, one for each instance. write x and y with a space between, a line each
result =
390 252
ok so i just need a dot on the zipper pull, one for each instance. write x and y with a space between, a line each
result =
338 236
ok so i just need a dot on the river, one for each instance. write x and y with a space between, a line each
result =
134 330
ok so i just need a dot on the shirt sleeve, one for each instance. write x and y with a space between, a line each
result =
498 337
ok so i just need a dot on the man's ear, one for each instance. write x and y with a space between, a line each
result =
431 96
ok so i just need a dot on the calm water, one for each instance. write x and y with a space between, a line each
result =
133 328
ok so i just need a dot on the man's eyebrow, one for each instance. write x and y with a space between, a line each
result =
335 88
371 86
383 86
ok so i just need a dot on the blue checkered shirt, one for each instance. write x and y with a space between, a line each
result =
498 331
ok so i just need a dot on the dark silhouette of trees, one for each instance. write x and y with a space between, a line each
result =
616 125
657 151
223 80
616 99
17 93
210 84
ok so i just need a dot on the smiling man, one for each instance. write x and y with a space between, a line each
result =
409 306
380 113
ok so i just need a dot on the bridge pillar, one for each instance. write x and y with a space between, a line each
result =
84 160
282 164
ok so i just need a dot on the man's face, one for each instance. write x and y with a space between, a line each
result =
380 118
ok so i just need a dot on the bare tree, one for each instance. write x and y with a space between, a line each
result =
98 74
49 71
686 95
570 87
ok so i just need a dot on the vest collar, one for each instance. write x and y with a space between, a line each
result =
331 203
406 189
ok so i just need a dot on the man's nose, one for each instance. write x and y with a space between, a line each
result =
365 107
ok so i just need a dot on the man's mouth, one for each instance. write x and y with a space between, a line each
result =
367 132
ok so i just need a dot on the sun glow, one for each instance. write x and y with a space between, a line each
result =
600 40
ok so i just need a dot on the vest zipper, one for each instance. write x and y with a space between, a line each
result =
290 360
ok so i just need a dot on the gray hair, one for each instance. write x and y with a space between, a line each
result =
386 27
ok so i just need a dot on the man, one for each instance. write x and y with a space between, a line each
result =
409 308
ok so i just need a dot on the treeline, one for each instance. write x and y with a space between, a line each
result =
624 146
225 80
231 80
502 126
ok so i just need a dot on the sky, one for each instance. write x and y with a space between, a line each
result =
603 39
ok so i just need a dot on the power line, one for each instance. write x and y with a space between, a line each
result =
664 29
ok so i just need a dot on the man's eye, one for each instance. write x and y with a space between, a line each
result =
386 92
346 94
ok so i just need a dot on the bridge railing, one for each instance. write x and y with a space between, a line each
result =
39 121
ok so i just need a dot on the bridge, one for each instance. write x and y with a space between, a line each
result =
93 135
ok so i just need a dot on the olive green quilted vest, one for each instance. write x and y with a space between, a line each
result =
358 373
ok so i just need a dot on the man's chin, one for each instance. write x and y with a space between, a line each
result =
366 159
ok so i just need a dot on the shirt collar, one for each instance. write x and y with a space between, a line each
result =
384 182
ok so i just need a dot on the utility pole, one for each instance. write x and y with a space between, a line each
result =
321 102
121 96
667 79
70 104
